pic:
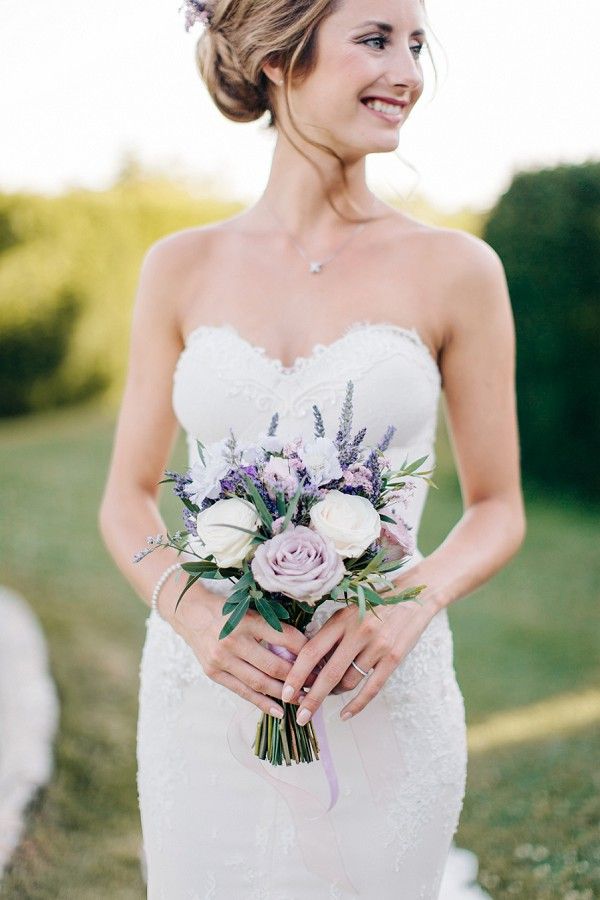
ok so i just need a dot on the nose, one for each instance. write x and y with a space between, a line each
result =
405 71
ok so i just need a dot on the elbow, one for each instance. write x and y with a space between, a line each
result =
518 526
103 518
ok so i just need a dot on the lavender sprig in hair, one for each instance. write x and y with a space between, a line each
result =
196 11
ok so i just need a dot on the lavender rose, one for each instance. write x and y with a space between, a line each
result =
299 563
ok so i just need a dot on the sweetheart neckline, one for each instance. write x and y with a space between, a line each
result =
300 362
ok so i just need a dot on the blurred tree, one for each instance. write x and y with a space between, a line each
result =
546 229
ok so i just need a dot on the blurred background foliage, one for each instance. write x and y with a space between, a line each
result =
69 267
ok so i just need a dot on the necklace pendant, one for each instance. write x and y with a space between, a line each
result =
315 267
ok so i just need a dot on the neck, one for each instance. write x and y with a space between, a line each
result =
298 195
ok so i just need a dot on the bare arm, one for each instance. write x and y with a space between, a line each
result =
478 369
144 437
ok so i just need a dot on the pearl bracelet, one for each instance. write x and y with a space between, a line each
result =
157 587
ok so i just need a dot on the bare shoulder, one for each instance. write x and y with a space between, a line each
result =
171 268
473 273
466 275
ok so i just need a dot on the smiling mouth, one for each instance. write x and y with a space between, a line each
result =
390 111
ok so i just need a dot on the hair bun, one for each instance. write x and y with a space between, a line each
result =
237 97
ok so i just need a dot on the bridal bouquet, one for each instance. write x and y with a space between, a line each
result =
293 523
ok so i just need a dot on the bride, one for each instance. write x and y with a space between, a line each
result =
274 310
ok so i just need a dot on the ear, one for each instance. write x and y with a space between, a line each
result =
272 70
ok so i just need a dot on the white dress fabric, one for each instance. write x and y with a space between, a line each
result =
213 829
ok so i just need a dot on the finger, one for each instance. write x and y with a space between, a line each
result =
254 678
329 676
308 659
265 704
352 677
289 637
265 660
371 687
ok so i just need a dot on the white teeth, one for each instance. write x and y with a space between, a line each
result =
389 108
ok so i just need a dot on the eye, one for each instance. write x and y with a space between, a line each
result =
383 40
418 48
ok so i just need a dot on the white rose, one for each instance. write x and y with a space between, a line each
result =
350 521
229 546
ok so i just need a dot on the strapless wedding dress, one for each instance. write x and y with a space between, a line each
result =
212 828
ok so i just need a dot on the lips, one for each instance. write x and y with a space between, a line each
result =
391 100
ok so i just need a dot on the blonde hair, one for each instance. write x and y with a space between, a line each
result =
242 36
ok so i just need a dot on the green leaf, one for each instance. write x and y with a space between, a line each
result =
233 602
385 518
191 580
237 527
292 507
261 508
360 593
373 566
279 609
390 564
279 499
414 465
264 608
235 618
372 595
196 567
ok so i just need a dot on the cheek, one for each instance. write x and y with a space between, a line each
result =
343 78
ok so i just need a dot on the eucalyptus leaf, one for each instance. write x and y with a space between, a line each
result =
264 608
235 618
362 609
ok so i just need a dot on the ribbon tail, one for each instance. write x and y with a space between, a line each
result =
326 758
315 832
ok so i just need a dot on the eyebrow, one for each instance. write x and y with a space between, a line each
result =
385 26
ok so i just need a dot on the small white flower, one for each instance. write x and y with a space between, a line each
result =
321 460
206 478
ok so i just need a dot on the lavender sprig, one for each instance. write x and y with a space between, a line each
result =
345 424
319 426
351 453
385 441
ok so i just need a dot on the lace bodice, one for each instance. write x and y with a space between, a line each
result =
222 381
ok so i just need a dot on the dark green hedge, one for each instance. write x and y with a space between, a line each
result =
546 229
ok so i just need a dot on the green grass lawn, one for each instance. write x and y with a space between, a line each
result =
531 813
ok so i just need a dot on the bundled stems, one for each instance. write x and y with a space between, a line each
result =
283 741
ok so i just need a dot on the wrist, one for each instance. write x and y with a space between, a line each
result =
197 609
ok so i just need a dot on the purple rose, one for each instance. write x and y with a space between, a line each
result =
299 563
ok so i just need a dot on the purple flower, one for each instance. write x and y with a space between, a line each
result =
299 563
196 11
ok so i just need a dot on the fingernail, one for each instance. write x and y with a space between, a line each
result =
287 693
277 712
345 715
303 716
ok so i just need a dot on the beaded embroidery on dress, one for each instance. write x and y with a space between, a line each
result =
213 830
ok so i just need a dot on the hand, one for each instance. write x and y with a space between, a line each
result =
239 661
375 643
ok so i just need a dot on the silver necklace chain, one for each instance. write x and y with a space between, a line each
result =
315 266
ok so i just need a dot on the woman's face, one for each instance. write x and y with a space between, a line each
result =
367 67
